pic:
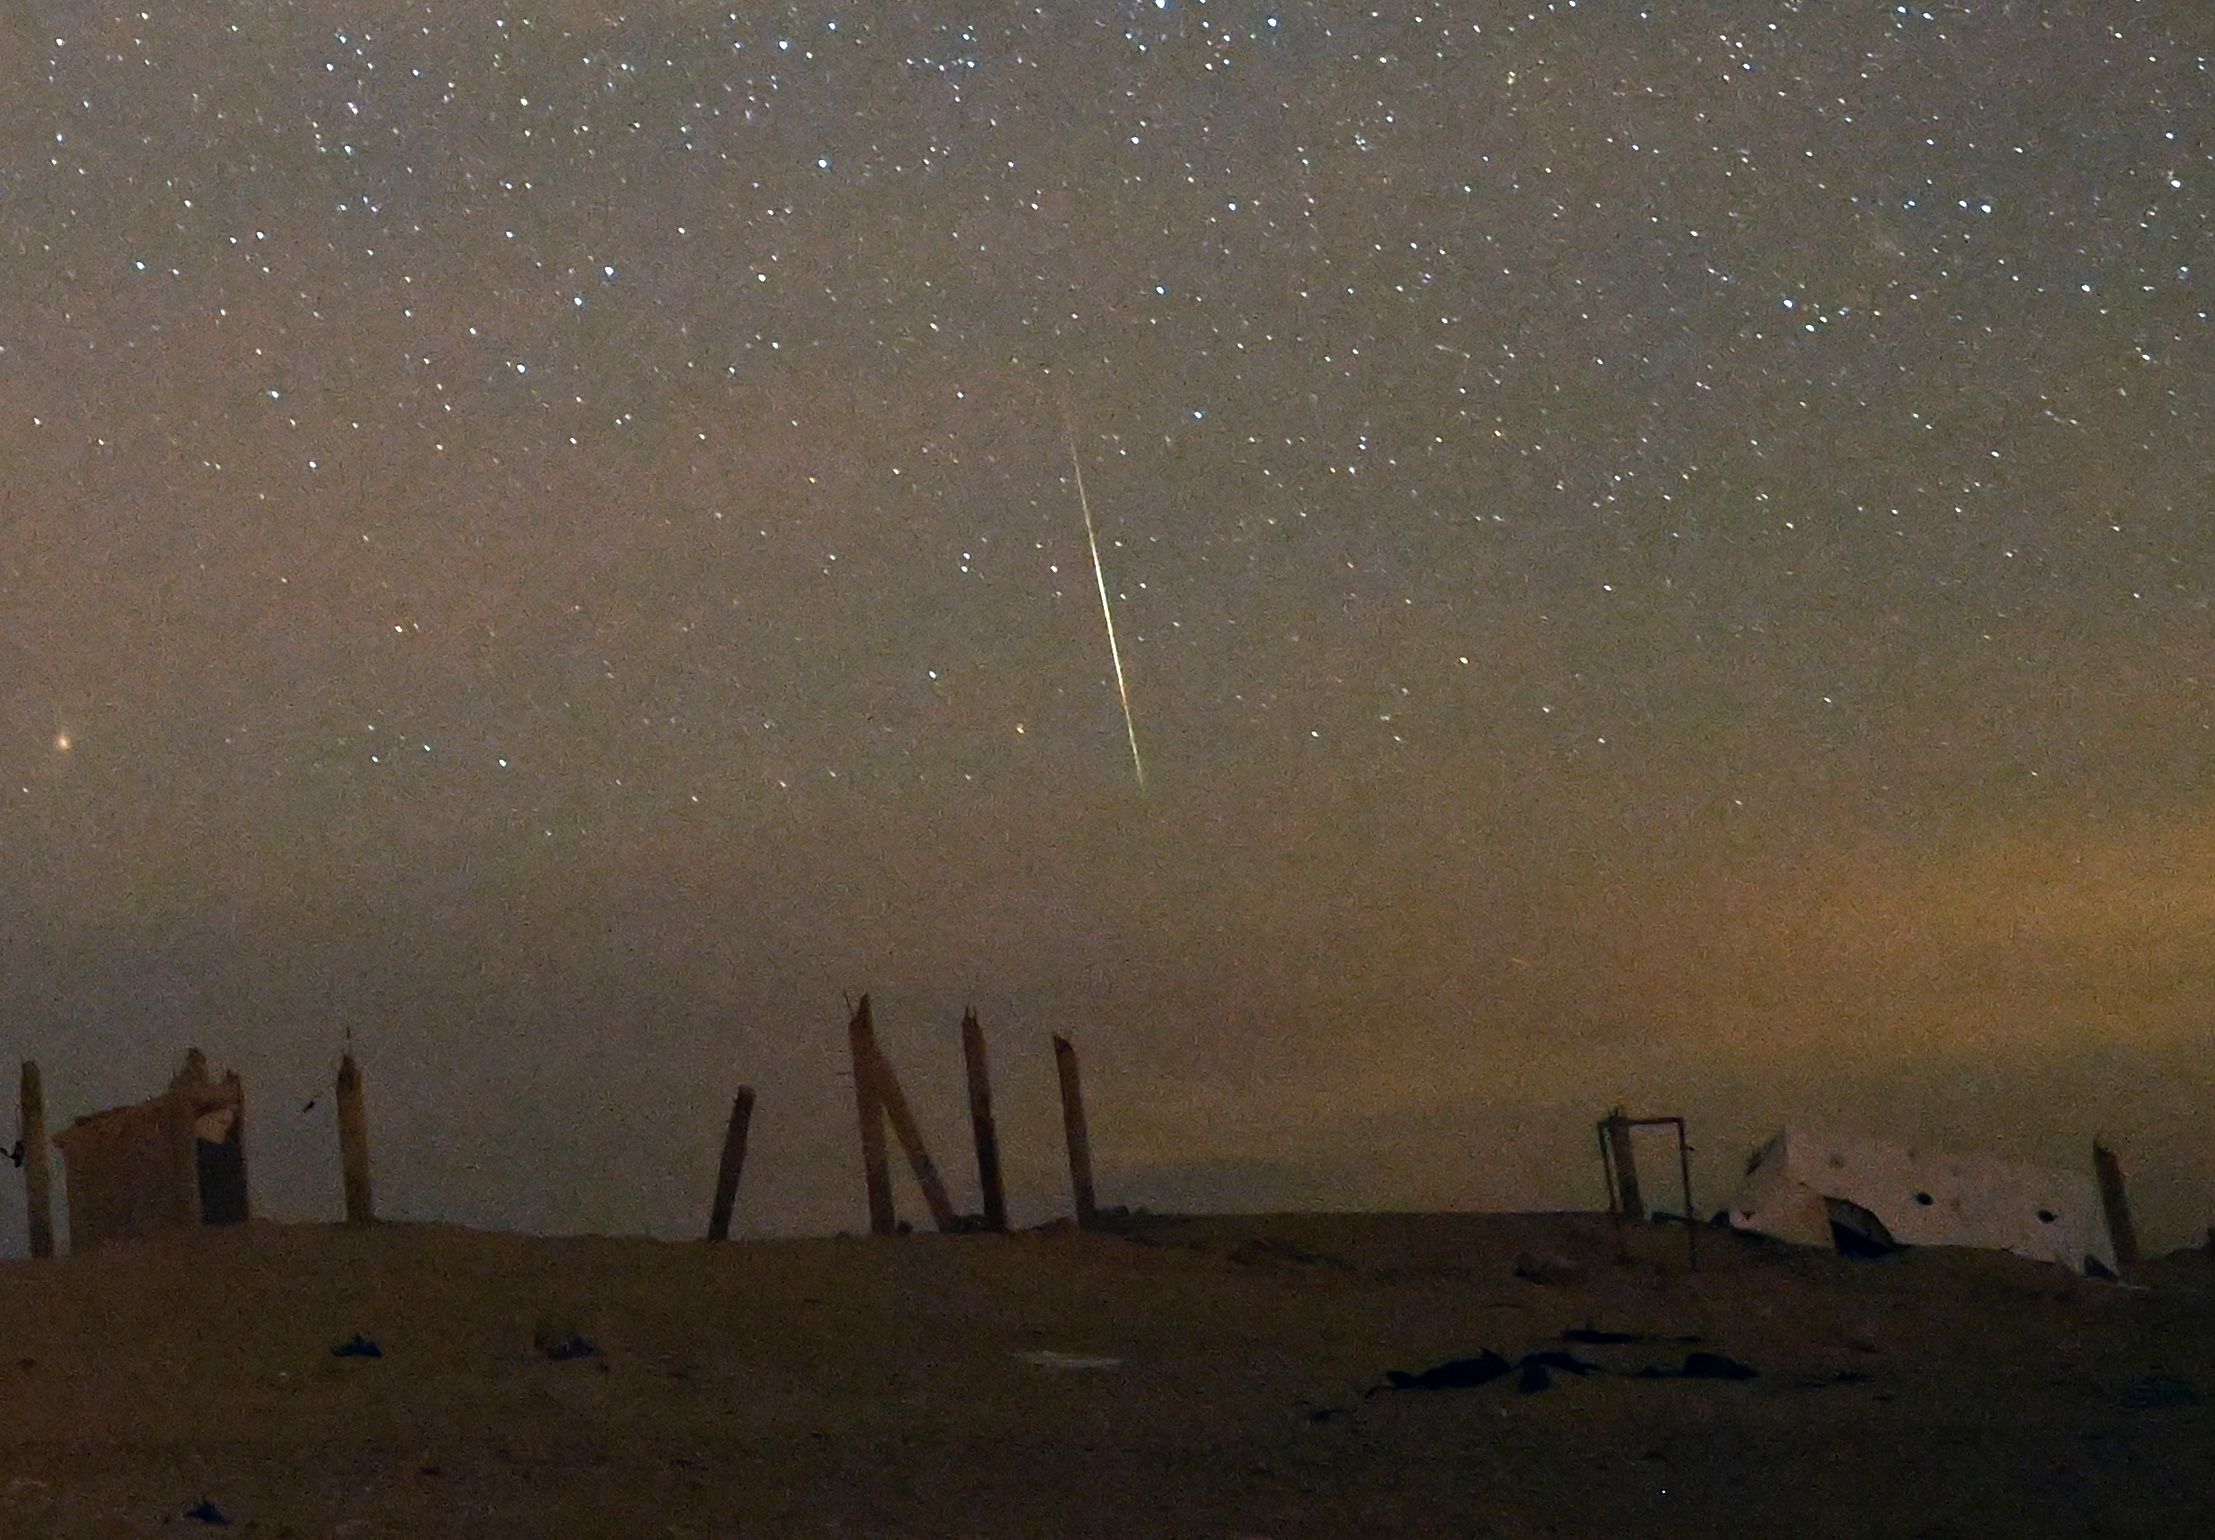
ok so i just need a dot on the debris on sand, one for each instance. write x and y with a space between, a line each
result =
813 1385
1567 1363
1264 1252
1593 1336
561 1342
1699 1366
1535 1371
207 1513
1547 1267
2158 1392
1454 1374
1540 1368
1050 1358
358 1346
1826 1381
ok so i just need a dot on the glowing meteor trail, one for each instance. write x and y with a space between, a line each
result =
1099 576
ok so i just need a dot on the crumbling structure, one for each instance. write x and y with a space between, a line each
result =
1862 1196
171 1162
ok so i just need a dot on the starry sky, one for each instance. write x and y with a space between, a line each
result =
1661 555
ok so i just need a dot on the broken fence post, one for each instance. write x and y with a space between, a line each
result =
734 1162
353 1144
980 1123
38 1174
861 1039
1080 1142
895 1104
2121 1232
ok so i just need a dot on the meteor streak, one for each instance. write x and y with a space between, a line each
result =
1099 576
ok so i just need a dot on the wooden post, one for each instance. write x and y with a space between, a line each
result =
734 1161
184 1157
862 1039
2120 1231
38 1174
353 1144
238 1137
980 1123
1072 1125
895 1105
1627 1201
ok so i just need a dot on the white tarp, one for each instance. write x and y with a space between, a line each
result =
1921 1197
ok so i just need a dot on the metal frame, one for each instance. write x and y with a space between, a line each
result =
1619 1120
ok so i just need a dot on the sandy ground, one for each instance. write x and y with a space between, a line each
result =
880 1388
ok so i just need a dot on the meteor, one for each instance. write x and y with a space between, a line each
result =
1107 613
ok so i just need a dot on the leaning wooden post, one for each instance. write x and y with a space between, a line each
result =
353 1144
1627 1200
2120 1231
734 1161
38 1176
980 1123
862 1039
895 1104
1080 1142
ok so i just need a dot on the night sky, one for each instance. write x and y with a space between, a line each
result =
1661 555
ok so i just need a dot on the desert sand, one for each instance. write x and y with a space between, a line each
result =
1191 1377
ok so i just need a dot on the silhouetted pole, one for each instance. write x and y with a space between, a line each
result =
38 1176
353 1144
734 1161
1080 1142
895 1104
980 1123
862 1039
2120 1231
238 1137
1627 1200
1684 1172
